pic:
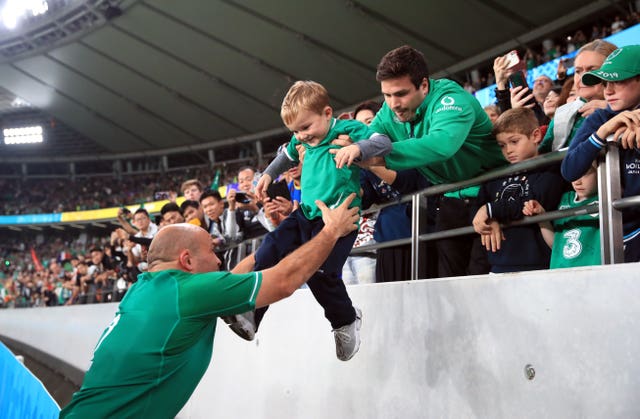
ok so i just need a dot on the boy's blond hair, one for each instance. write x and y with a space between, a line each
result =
303 95
191 182
518 120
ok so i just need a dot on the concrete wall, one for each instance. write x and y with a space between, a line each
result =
430 349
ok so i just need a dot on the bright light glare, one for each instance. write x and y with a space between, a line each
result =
20 103
14 10
24 135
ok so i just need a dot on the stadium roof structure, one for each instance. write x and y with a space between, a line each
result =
109 78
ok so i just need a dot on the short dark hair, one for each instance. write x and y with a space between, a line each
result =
370 105
96 249
170 207
142 211
210 193
403 61
189 203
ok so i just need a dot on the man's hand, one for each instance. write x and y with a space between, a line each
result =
341 220
231 199
520 96
261 188
345 155
280 204
277 209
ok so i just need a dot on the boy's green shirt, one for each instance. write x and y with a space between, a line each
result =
321 180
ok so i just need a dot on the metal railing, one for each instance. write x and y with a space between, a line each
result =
608 207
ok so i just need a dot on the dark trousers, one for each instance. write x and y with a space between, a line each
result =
463 255
326 284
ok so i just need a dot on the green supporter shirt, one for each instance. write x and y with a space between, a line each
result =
576 241
320 177
449 140
159 344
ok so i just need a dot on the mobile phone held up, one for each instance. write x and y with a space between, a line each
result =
242 198
512 59
278 189
518 79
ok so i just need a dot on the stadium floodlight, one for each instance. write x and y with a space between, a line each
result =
24 135
14 10
20 103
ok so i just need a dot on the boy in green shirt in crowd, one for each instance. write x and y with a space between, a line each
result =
574 241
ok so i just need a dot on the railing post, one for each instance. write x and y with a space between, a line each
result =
415 235
609 190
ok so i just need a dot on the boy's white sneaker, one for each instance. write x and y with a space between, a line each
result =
348 338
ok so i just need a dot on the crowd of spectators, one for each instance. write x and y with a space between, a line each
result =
38 196
62 268
554 47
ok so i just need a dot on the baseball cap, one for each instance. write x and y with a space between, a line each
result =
621 64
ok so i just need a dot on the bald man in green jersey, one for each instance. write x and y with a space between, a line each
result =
151 357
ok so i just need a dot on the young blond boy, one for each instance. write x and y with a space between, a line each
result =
502 200
619 122
574 241
325 177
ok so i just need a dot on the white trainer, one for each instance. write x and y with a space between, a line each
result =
348 338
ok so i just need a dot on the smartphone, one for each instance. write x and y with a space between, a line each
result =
278 189
512 59
242 198
518 79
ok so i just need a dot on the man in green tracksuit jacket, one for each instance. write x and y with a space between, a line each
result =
440 129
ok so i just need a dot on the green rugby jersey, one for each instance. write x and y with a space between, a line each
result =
320 178
150 359
449 140
576 241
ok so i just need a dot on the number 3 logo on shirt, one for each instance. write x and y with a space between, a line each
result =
572 248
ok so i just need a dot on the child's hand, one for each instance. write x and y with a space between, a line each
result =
345 155
532 207
493 240
624 124
261 188
301 152
481 221
629 135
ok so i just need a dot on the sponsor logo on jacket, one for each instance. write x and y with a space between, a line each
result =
448 104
